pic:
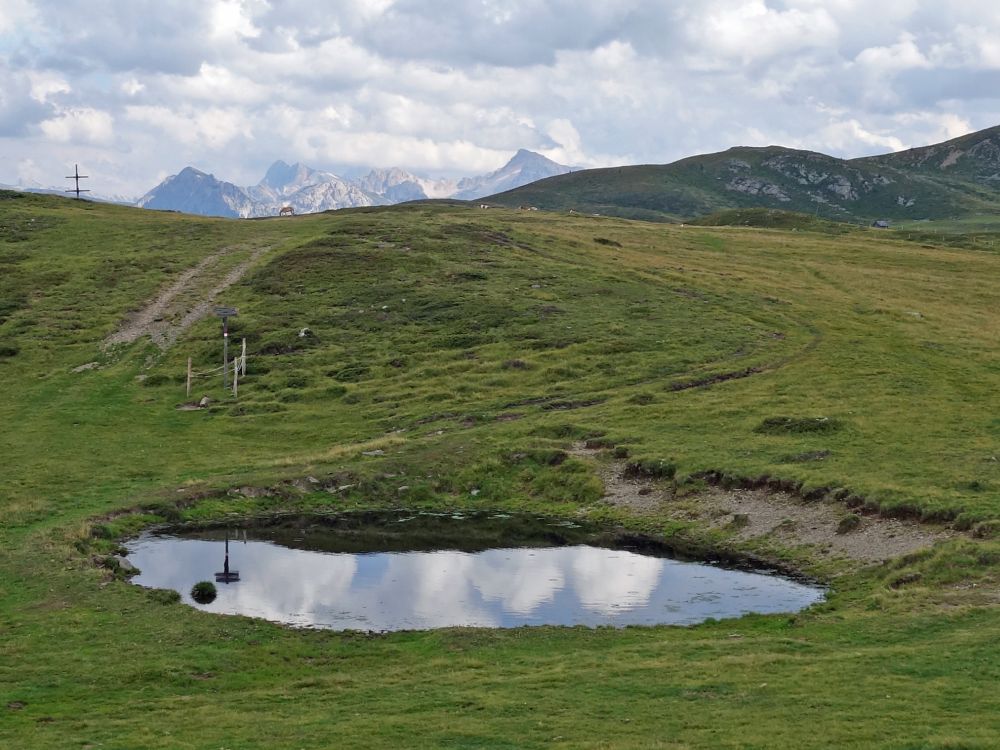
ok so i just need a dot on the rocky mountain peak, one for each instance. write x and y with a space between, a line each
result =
306 189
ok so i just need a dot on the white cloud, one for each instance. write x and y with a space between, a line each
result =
431 85
80 125
903 55
15 14
29 174
214 127
215 85
232 19
568 139
45 83
132 86
749 30
849 135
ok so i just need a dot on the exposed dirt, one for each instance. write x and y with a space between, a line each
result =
768 515
189 299
713 379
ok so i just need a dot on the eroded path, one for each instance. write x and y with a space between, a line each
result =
769 516
187 300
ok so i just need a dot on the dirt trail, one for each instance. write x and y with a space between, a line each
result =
766 515
189 299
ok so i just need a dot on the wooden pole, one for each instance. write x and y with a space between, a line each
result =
189 378
225 352
236 378
243 359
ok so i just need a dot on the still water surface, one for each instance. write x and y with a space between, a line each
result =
297 577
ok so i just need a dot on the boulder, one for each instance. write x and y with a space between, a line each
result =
123 566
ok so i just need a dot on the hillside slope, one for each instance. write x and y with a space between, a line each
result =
910 185
446 358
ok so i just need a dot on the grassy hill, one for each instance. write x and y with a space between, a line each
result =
972 158
945 181
459 349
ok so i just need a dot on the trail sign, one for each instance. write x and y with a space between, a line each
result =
225 313
226 575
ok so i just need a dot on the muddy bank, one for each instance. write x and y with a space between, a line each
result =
763 514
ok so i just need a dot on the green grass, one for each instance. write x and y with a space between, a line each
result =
924 183
472 348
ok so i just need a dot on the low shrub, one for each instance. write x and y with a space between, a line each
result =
652 468
986 529
204 592
849 523
606 242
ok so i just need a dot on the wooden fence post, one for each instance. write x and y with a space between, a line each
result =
189 378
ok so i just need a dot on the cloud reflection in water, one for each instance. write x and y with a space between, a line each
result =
494 588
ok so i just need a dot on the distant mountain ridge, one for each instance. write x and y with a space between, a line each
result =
309 190
956 178
121 200
524 168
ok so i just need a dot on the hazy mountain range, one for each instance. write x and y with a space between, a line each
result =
21 187
956 178
309 190
959 177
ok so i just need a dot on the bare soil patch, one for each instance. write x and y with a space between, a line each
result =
182 304
763 514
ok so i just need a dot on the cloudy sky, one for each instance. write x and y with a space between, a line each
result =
135 91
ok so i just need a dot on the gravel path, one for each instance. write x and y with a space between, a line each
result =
186 301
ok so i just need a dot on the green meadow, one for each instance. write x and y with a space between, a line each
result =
447 349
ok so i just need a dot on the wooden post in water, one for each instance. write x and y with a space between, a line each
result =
226 575
189 378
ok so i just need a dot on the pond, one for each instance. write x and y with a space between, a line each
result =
406 571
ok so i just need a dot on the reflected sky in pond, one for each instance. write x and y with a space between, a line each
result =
572 585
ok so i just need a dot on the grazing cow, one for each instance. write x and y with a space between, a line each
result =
286 211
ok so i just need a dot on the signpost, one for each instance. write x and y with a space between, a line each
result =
225 313
226 575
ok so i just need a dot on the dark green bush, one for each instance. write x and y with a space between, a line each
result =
204 592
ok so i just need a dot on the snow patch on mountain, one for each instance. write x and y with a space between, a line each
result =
524 168
308 190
